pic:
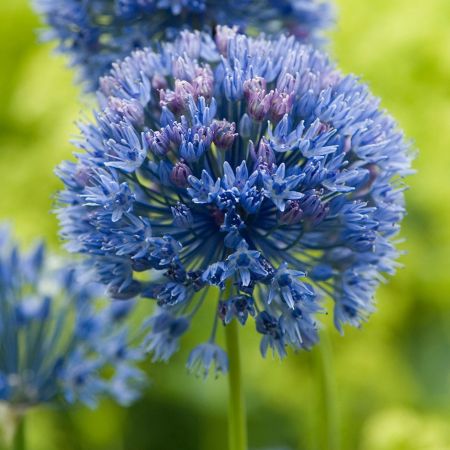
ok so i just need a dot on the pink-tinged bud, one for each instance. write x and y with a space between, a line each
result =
281 105
258 101
203 83
159 82
259 105
177 100
169 99
265 154
157 142
131 110
224 134
256 85
223 35
184 89
314 209
180 174
292 214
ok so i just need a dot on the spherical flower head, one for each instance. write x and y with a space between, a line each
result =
58 340
95 33
287 209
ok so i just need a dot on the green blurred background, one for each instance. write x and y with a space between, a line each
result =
384 387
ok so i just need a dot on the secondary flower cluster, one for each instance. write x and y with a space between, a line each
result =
97 32
247 164
54 340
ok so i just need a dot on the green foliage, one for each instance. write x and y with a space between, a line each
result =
391 386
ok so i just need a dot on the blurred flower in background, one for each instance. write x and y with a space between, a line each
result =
94 33
246 164
57 341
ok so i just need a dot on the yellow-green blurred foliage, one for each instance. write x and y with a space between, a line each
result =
386 386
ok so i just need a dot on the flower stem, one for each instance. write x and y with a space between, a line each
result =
17 430
237 428
329 414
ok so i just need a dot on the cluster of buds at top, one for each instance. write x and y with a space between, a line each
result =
176 100
262 104
189 142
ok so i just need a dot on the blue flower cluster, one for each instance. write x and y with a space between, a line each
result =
94 33
55 342
249 165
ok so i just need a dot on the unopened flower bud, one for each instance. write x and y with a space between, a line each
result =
223 35
281 105
131 110
184 89
245 126
179 175
292 214
256 85
119 292
157 142
314 210
203 83
259 105
174 133
224 134
177 100
265 154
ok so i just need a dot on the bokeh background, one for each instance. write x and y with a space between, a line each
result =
384 387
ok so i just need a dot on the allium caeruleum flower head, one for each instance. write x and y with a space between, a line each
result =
94 33
55 342
247 164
